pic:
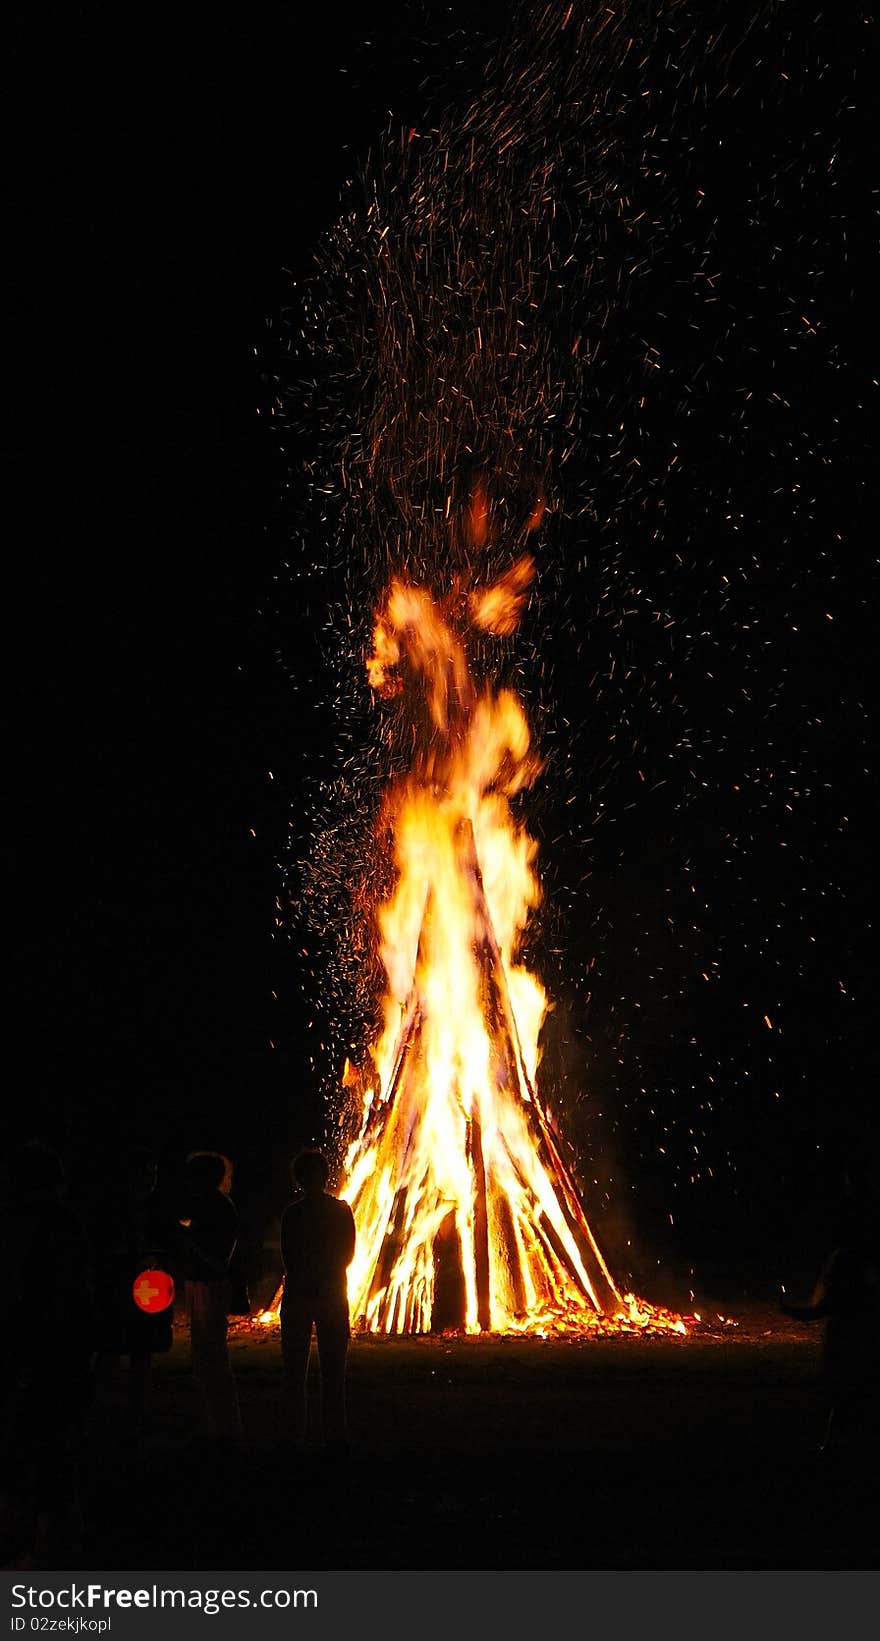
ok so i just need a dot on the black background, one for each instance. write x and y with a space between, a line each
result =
165 174
169 178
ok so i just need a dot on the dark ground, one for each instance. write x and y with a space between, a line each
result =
631 1453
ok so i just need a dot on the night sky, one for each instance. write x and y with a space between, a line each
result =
192 735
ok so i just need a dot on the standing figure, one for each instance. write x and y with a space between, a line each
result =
49 1295
129 1236
846 1296
317 1247
209 1236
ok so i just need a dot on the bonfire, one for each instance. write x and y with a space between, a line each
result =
468 1218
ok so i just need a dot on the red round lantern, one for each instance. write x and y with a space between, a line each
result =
153 1291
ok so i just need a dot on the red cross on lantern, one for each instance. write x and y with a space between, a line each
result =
153 1291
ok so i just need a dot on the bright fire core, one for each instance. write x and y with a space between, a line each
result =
467 1217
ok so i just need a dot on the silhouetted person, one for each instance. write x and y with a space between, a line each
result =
209 1235
846 1297
317 1247
131 1235
48 1296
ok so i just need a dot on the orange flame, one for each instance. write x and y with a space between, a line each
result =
479 516
498 608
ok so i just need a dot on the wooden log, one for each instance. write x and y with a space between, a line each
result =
481 1225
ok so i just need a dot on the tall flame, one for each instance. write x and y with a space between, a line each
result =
466 1213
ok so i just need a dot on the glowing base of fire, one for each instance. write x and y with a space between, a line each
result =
635 1316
